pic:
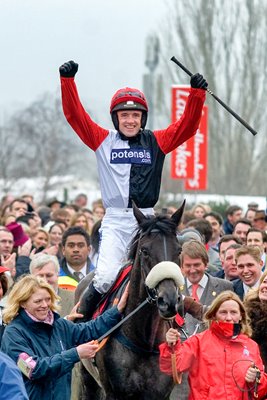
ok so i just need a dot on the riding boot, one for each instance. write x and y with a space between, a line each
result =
89 301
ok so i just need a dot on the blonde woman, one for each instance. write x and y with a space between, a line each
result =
80 219
40 239
221 360
199 210
45 346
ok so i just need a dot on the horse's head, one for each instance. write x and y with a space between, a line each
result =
156 242
156 238
163 283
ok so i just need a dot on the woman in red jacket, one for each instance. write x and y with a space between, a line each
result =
222 362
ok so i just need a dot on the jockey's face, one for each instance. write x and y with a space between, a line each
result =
129 122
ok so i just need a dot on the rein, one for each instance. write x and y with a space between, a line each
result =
149 300
176 376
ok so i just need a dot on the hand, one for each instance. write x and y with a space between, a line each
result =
87 350
19 213
172 336
35 222
51 250
122 303
25 249
74 314
251 374
10 263
68 69
198 82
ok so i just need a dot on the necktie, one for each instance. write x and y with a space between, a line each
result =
78 275
194 291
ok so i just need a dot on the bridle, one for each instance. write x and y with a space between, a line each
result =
151 293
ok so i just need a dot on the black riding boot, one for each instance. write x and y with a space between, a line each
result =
89 301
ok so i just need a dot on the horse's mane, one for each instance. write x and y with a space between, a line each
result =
161 224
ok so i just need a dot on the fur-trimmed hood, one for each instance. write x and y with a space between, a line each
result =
257 312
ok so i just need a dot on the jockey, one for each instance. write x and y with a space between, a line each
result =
130 160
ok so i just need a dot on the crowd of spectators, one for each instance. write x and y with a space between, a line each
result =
59 243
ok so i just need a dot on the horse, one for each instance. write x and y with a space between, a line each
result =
128 365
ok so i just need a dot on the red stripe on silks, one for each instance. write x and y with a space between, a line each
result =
179 320
122 276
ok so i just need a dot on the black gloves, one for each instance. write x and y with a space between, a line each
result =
197 81
68 69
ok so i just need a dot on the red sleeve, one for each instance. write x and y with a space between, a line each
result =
186 127
185 355
165 363
89 132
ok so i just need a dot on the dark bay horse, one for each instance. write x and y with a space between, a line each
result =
128 364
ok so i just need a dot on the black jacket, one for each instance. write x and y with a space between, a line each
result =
239 288
64 271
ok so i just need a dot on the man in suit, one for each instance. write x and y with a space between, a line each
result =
76 263
198 284
47 267
229 268
249 266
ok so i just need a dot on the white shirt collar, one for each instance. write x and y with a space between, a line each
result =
247 288
83 270
202 283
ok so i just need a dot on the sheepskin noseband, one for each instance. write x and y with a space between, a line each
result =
164 270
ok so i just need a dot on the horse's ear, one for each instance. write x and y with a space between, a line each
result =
177 216
137 213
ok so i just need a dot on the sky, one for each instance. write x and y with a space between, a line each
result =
105 37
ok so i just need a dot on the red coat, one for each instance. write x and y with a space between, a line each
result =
214 364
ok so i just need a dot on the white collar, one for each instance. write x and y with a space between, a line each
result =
202 283
83 270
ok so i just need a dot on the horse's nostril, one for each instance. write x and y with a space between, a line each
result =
162 303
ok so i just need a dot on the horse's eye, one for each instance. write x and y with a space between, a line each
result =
145 252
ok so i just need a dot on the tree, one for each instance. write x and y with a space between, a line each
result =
41 144
226 42
10 170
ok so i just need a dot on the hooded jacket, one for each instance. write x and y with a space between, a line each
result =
217 365
53 347
257 312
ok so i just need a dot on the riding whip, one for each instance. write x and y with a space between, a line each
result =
234 114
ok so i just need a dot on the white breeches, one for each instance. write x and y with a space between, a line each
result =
117 230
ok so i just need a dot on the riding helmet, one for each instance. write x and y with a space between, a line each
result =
130 99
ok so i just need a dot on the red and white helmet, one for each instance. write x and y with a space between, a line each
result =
128 99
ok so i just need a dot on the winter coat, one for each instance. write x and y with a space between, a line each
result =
53 347
216 364
257 312
11 382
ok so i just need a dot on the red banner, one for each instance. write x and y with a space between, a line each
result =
189 161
